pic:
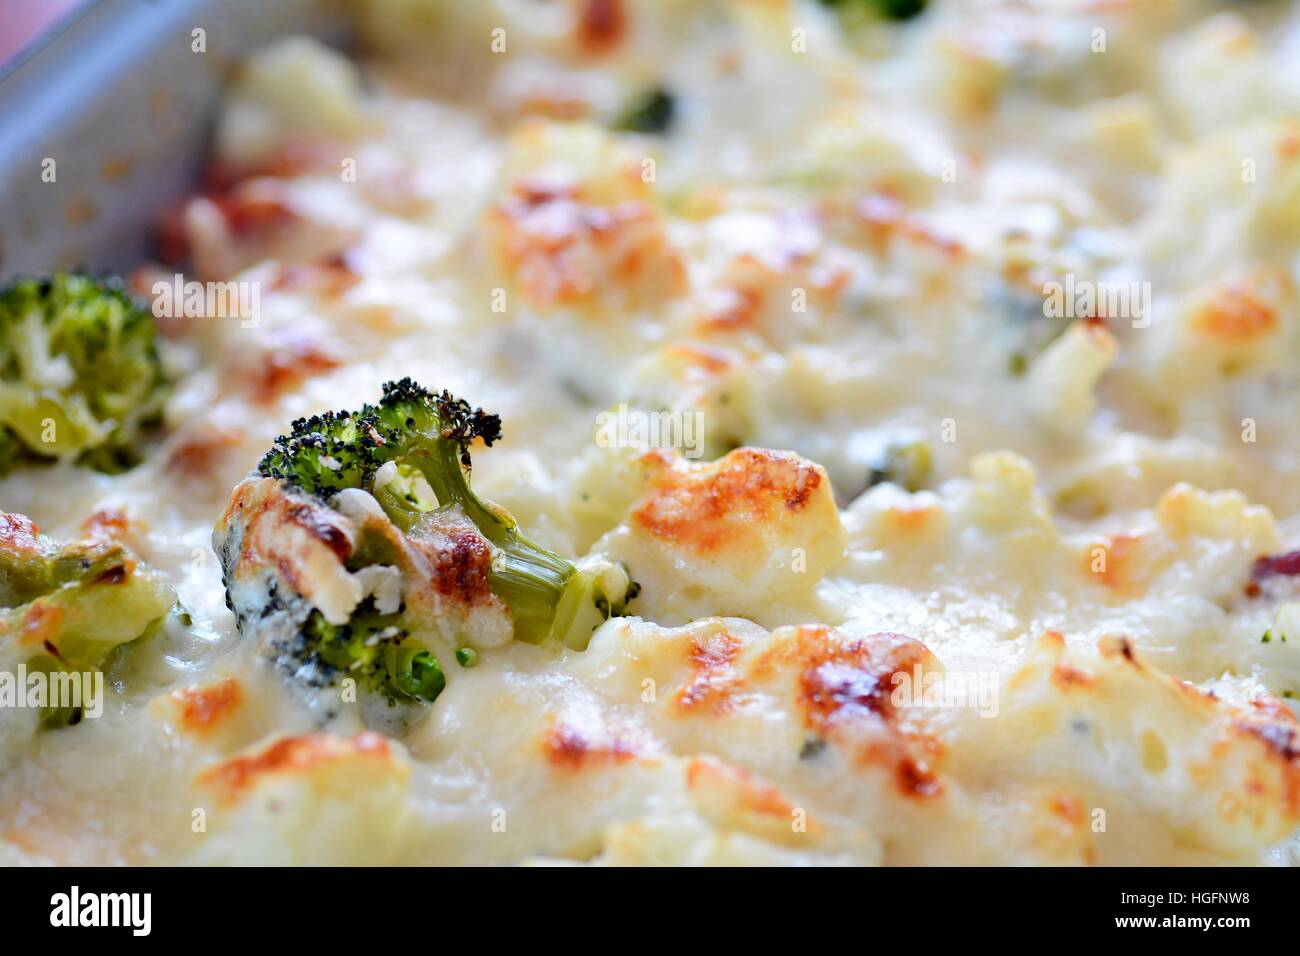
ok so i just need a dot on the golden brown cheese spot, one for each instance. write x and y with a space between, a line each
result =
1067 677
459 559
915 778
265 513
1115 562
733 798
198 449
847 685
40 625
1251 764
1051 641
305 543
107 524
580 743
886 218
201 708
751 284
713 679
1063 831
233 779
17 532
1195 694
1271 722
1067 808
1097 329
562 250
1288 146
294 155
752 796
720 506
1114 646
321 525
704 359
914 519
555 98
1049 644
291 357
1236 314
601 25
252 206
331 276
739 309
849 680
1176 508
256 207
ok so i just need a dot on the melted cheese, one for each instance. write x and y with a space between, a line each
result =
842 244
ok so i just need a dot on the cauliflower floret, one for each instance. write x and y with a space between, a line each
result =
318 800
1140 746
295 88
1237 325
578 225
1061 379
708 391
756 529
732 818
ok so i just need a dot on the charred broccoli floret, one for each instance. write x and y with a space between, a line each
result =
67 608
80 373
411 451
362 563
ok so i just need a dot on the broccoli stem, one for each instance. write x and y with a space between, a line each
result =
414 672
528 579
531 580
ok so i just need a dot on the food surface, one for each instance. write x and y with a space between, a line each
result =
750 432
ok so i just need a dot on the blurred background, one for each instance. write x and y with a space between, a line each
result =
23 21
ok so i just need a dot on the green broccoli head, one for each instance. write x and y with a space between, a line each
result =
322 454
80 373
68 607
411 451
377 651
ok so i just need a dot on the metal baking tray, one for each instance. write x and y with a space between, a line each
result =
121 103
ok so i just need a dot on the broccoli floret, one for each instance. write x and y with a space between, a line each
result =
80 373
67 608
375 650
906 464
651 112
889 9
411 451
